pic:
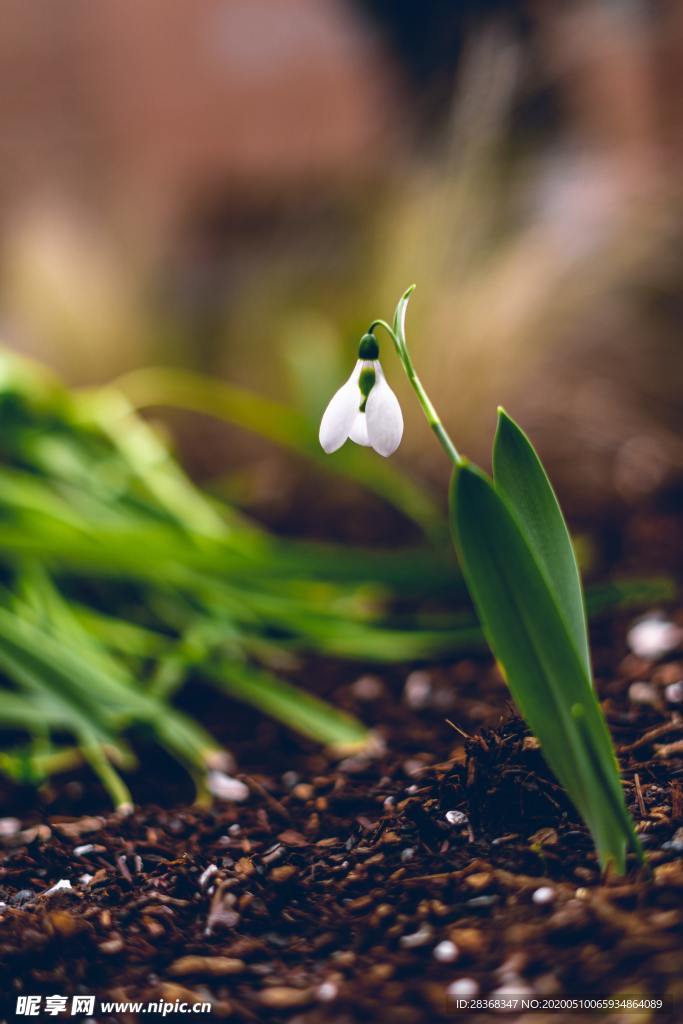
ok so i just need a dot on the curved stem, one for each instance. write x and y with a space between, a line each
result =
388 329
430 412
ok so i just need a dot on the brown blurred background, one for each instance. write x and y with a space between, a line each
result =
239 186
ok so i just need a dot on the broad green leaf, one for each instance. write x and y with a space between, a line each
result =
592 734
530 638
519 475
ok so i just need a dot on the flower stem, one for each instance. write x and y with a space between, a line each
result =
430 412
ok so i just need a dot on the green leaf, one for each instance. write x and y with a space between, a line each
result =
530 638
593 741
519 476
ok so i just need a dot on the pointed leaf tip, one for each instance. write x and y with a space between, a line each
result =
520 477
400 314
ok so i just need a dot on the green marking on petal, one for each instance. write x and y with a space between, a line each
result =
366 382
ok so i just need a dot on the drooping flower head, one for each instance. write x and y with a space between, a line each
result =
364 409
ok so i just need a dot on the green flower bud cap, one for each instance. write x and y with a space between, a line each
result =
368 347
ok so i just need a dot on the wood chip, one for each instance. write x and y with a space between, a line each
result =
209 966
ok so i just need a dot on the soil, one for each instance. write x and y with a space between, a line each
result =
370 888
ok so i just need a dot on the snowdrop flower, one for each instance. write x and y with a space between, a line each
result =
365 408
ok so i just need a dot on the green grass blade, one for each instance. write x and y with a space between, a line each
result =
96 756
299 710
24 711
529 636
28 764
519 475
150 461
97 689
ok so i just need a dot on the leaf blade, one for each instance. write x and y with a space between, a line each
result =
519 475
528 634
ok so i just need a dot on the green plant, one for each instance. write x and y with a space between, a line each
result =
516 556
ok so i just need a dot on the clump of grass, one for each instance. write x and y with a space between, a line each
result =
121 580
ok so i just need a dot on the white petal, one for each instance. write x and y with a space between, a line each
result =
340 413
383 416
359 430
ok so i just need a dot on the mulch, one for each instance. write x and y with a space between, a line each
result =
371 888
365 889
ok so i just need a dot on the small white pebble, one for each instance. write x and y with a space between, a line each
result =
367 688
445 952
415 939
417 690
290 779
543 896
327 992
86 848
235 829
207 874
63 883
389 803
407 854
456 817
86 879
354 764
674 692
653 637
642 693
412 789
9 827
225 787
463 988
